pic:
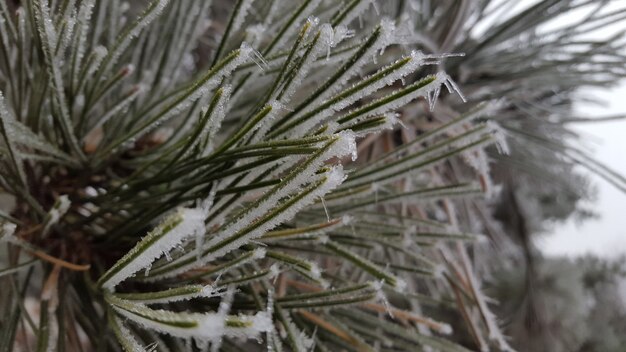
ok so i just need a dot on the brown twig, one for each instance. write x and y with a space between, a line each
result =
406 316
317 320
60 262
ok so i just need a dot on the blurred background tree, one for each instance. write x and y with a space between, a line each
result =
572 305
538 59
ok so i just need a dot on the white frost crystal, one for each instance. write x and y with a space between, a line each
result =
205 327
58 210
261 219
8 229
238 168
182 225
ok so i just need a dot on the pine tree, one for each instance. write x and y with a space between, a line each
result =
196 175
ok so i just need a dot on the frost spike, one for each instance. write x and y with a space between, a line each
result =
244 231
204 327
378 39
395 100
384 77
176 228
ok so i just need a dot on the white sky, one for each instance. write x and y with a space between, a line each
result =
605 236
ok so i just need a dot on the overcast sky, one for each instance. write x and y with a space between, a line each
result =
605 236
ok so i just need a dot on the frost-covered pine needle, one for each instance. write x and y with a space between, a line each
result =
191 175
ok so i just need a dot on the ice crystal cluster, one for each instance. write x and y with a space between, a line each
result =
188 175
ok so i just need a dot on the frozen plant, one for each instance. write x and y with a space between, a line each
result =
187 175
